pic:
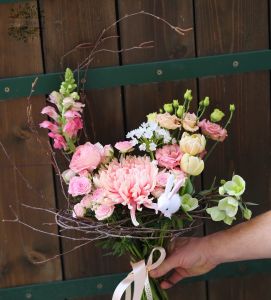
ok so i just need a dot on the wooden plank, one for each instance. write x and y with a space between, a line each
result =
61 32
20 247
143 99
230 26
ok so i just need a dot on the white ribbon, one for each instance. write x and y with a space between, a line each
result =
140 277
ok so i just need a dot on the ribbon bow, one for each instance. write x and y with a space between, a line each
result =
140 277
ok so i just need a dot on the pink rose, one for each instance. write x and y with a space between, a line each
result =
104 212
86 157
67 175
79 186
87 201
49 125
161 179
72 126
168 121
51 112
59 141
124 147
78 211
169 156
213 131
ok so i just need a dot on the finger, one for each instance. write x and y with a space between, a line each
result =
173 279
170 263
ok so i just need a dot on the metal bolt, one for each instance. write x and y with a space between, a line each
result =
159 72
7 89
28 295
99 286
235 64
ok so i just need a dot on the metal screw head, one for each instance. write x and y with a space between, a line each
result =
235 64
7 89
159 72
99 286
28 295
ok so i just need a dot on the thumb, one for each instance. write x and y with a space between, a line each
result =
170 263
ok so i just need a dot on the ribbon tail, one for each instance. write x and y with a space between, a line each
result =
122 287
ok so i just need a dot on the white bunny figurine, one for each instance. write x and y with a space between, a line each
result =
170 201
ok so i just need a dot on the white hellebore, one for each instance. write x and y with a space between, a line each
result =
170 201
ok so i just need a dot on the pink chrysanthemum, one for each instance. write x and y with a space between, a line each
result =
129 182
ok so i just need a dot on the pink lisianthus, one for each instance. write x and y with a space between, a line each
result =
124 147
86 157
189 122
78 211
129 182
168 121
104 211
51 112
169 156
79 186
59 141
213 131
162 178
72 126
49 125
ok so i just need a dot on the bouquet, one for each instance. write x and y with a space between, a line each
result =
139 195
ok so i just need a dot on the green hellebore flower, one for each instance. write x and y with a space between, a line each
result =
206 101
232 107
180 111
175 103
188 95
189 203
152 116
247 213
235 187
217 115
229 205
216 214
168 107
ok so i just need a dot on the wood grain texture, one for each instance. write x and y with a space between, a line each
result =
20 247
65 25
143 99
232 26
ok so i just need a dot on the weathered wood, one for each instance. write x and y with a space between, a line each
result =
141 100
232 26
20 247
65 25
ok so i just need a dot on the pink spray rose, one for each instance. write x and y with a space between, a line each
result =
51 112
104 211
79 186
86 157
49 125
87 201
213 131
78 211
72 126
59 141
169 156
124 147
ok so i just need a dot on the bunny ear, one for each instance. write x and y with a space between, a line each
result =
170 182
176 188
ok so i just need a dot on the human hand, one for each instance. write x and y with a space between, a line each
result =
189 257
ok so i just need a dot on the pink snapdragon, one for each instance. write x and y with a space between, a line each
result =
213 131
72 127
129 182
51 112
169 156
49 125
79 186
59 141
